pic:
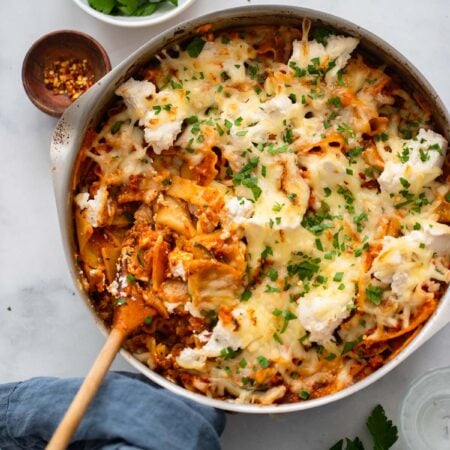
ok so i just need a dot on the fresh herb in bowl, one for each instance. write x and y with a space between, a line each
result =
128 7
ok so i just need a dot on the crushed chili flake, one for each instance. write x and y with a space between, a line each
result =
69 77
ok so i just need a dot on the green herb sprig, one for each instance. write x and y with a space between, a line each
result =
384 434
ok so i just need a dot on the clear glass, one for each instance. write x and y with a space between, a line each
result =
425 412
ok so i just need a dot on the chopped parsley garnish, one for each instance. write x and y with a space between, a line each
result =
263 362
305 269
272 274
293 98
229 353
148 320
252 71
359 219
277 338
314 222
319 245
116 127
345 129
271 289
288 136
348 197
404 155
263 171
335 101
246 295
338 276
120 301
195 47
298 72
228 125
277 207
327 191
374 294
266 252
321 35
192 119
330 356
244 177
349 346
131 278
286 315
405 183
304 395
276 151
340 79
354 153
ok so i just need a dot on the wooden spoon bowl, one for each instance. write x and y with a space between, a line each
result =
59 45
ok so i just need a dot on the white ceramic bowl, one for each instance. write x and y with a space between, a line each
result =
89 109
163 13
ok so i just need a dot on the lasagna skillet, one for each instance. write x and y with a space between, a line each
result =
280 202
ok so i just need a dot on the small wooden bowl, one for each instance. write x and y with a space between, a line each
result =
59 45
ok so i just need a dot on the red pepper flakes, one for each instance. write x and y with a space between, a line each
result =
69 77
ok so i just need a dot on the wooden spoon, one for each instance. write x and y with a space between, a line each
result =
127 318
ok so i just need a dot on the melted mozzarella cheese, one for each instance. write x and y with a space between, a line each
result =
136 95
423 157
406 262
323 308
94 208
338 49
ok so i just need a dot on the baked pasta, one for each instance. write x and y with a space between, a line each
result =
281 203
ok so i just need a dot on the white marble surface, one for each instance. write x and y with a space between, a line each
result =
44 327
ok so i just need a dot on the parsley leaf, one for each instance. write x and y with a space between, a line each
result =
356 444
384 434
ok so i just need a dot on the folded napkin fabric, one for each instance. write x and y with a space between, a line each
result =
127 413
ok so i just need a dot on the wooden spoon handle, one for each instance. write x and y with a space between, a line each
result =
61 438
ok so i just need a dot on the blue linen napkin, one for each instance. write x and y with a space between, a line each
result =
128 412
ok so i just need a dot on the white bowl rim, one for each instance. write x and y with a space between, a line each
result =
128 22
